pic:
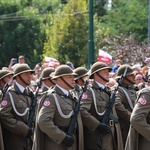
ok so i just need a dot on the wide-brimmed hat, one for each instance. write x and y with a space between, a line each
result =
81 72
4 73
121 71
99 66
63 70
22 68
46 73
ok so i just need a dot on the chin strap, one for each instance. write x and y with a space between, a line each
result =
102 77
51 81
66 83
129 81
22 80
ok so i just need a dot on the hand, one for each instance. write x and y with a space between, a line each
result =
68 140
30 132
103 128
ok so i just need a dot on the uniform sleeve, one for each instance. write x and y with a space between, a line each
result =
140 117
45 120
120 107
88 120
9 121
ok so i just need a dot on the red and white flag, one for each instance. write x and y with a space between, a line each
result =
104 57
52 62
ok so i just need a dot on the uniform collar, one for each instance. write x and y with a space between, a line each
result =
21 88
63 90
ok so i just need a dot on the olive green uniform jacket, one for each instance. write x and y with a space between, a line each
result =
124 108
92 117
1 134
139 133
15 126
51 126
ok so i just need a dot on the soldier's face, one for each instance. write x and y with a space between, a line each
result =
27 76
70 80
131 78
104 73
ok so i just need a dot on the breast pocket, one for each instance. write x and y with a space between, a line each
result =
66 108
21 106
101 106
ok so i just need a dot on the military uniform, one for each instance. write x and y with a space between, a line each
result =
93 107
3 74
53 119
1 139
124 101
45 75
14 113
139 133
80 79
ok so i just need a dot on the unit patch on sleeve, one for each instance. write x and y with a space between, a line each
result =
47 103
84 96
142 101
4 103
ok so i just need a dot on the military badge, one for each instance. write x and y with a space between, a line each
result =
84 96
142 101
47 103
4 103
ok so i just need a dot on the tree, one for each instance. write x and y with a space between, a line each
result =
127 17
21 33
67 37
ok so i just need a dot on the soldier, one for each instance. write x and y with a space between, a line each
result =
46 78
139 133
14 110
80 78
93 107
55 115
5 77
125 98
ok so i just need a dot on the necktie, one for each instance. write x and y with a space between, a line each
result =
25 92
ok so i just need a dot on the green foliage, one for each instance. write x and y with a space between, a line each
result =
127 17
21 34
67 37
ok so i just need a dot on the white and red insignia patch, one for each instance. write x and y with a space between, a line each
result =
84 96
142 101
47 103
4 103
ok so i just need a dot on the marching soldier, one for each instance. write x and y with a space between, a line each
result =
15 109
55 115
139 133
80 78
93 107
46 78
125 98
5 77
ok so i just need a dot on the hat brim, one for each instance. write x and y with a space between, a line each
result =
55 77
118 77
99 70
31 71
6 75
76 78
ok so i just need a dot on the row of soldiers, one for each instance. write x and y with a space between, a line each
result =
62 90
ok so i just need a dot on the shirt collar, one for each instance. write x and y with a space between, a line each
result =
63 90
21 88
100 85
